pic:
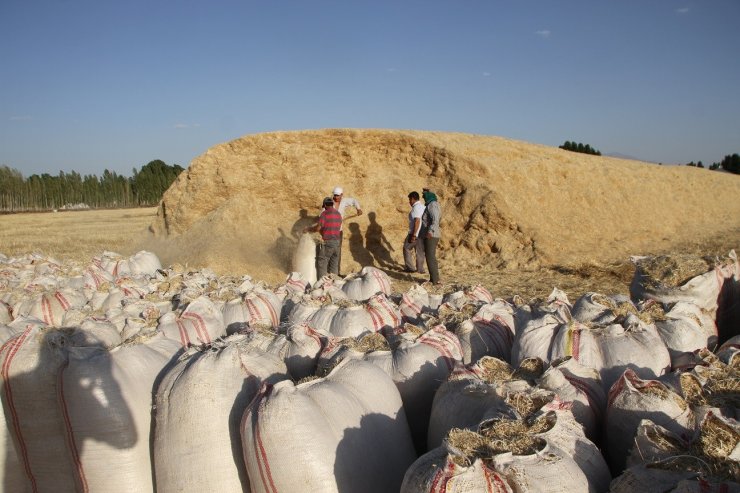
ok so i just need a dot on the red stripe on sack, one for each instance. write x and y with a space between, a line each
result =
184 338
503 322
575 347
46 312
617 387
95 279
408 303
442 477
588 391
13 348
483 294
441 348
500 483
450 338
384 287
461 371
69 435
252 310
375 316
261 455
494 483
200 326
62 300
383 302
312 334
273 314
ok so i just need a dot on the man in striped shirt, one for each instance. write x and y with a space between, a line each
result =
329 225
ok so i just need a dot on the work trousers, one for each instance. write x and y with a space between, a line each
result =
339 259
408 254
430 251
327 258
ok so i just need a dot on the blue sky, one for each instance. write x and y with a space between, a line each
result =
88 85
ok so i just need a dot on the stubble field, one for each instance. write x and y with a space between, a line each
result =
78 236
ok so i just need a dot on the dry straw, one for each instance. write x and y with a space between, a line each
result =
368 343
673 270
494 370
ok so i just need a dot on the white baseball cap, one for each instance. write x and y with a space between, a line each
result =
337 191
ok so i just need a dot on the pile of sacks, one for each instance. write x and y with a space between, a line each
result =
123 375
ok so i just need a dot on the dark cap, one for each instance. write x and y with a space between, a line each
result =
328 202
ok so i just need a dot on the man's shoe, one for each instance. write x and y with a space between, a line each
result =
409 270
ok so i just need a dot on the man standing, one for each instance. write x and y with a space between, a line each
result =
340 204
413 243
430 231
329 225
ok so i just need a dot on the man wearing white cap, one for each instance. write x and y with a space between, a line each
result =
341 203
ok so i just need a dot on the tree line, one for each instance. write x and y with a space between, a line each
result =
72 190
730 163
580 147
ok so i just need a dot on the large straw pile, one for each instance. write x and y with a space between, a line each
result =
242 205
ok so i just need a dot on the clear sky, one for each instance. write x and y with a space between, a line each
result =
87 85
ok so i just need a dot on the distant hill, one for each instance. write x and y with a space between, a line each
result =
622 156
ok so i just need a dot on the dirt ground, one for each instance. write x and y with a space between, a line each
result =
80 235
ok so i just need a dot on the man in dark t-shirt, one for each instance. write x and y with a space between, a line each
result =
329 225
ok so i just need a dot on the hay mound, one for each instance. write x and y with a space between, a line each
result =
241 206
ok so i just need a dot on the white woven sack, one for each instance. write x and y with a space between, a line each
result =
567 435
581 386
302 310
259 306
350 321
144 263
106 397
198 409
596 308
533 339
465 400
6 313
413 303
93 332
550 469
51 307
369 281
383 313
321 319
304 258
349 430
200 323
106 300
12 472
633 399
31 363
445 470
613 348
295 283
465 404
686 328
702 290
730 351
114 264
299 348
96 278
490 332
